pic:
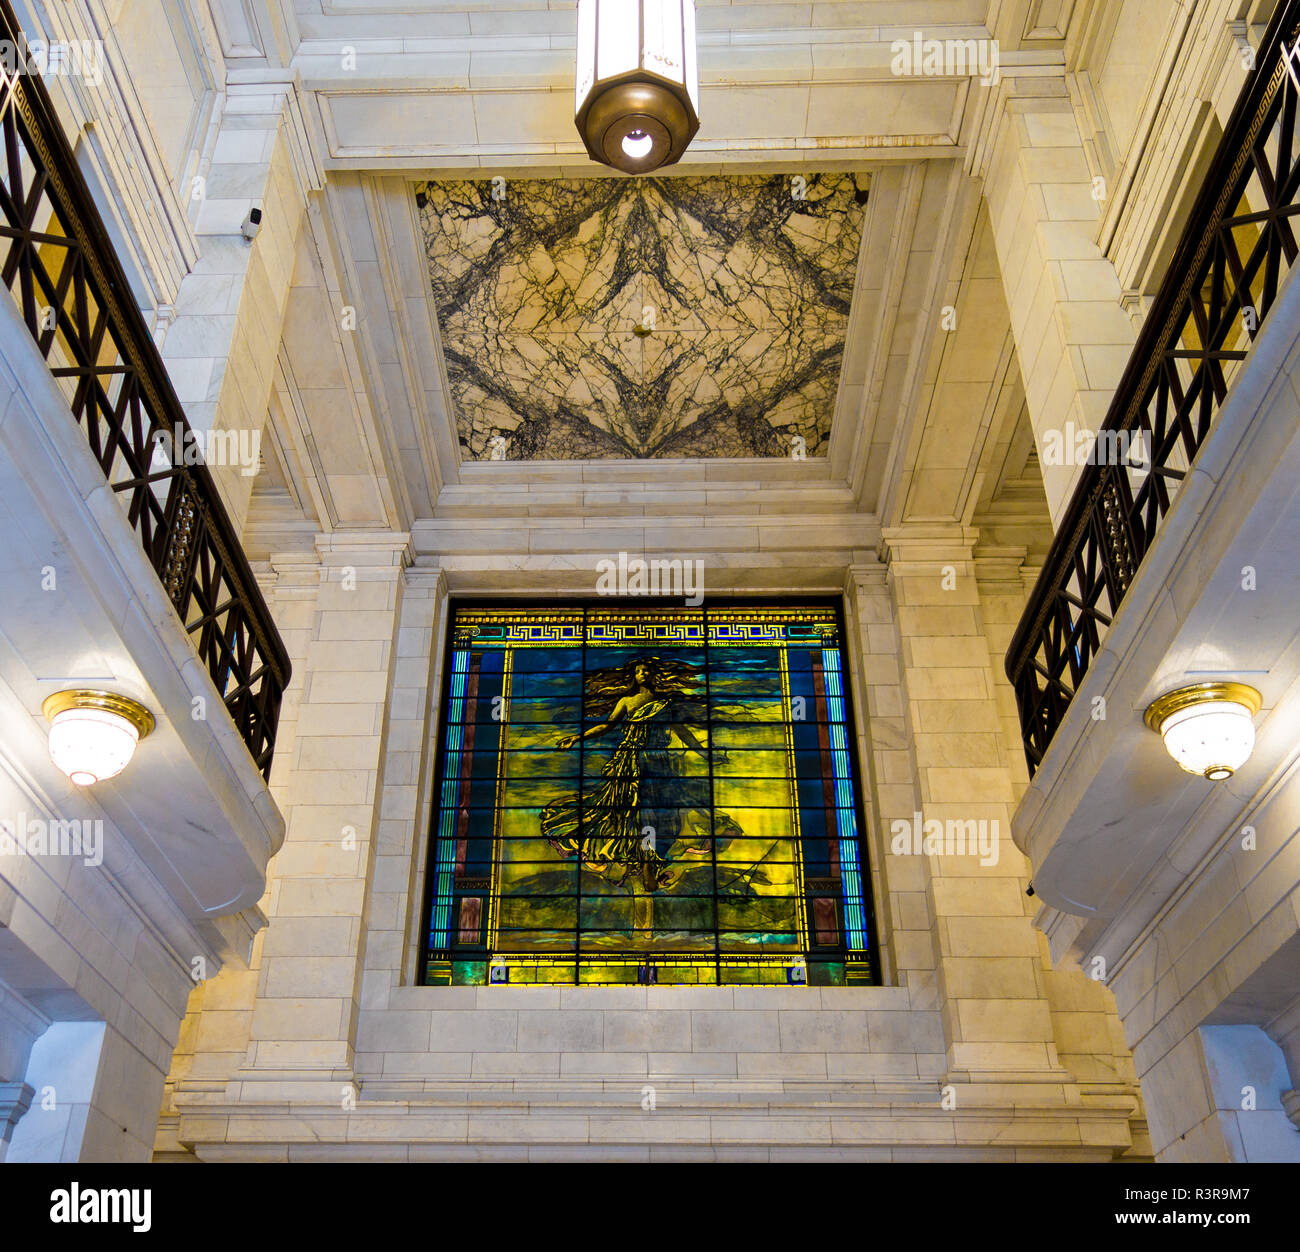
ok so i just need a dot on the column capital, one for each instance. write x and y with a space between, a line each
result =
1137 304
927 544
373 549
248 90
866 576
288 575
17 1015
1001 565
427 575
15 1100
1284 1030
1022 89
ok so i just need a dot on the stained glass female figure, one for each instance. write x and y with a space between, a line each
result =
647 801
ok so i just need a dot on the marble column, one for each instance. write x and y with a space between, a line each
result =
885 753
303 1018
996 1015
402 830
1073 335
221 337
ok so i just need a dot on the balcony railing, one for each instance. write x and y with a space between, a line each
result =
1235 252
60 267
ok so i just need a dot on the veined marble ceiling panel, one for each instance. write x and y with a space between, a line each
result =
746 283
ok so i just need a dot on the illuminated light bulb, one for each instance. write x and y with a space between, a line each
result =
637 144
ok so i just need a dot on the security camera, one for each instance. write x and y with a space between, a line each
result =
251 224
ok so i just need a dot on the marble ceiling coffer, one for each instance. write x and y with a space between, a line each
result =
647 318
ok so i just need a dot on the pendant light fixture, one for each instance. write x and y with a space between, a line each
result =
637 81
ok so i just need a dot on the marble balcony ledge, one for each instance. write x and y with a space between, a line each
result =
686 532
648 473
641 1154
374 1132
1114 833
657 998
111 624
393 1097
696 1092
584 504
810 571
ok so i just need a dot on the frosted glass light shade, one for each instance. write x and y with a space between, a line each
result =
1207 727
93 734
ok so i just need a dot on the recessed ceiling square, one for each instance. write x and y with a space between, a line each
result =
653 317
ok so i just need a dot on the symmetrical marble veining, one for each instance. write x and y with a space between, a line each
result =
660 317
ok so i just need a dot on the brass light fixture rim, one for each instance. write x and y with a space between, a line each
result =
1227 692
637 78
106 701
637 92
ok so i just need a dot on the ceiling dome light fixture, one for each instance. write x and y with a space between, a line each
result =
1207 727
638 89
93 733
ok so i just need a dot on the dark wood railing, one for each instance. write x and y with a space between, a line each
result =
1235 252
60 267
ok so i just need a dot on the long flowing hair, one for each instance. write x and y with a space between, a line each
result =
678 680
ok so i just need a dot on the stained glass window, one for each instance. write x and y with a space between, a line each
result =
647 795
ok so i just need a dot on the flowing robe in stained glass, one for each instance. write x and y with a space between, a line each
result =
637 809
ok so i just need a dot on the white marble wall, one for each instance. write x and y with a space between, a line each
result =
948 1061
325 1047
